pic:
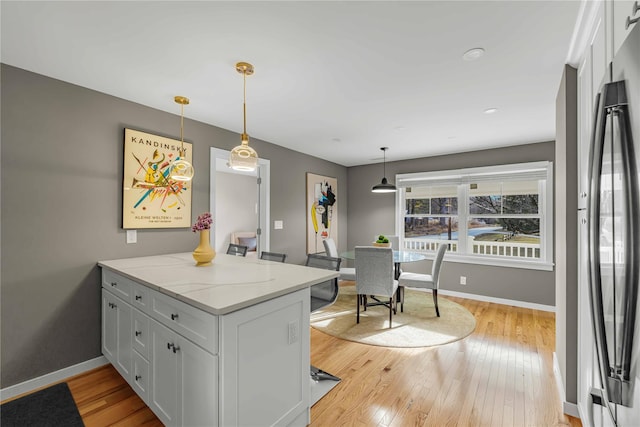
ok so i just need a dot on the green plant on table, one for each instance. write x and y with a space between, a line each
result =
382 239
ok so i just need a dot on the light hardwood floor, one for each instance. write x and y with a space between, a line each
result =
501 375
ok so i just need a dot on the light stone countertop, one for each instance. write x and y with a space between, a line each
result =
230 284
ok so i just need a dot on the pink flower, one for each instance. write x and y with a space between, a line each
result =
203 223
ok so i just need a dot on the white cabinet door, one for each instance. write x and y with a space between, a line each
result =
109 327
164 374
598 50
141 376
184 380
585 125
198 385
621 10
116 333
264 365
141 333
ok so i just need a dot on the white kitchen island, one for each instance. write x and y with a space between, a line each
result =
223 345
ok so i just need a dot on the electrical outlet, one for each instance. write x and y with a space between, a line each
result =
293 332
463 280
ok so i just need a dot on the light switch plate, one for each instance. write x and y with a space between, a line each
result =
278 225
132 236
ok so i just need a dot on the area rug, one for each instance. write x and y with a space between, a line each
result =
417 326
53 406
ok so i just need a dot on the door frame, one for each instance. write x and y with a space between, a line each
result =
263 176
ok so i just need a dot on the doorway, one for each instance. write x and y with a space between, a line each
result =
244 206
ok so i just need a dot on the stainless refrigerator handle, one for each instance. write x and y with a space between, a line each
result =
612 104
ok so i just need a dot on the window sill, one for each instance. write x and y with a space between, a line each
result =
500 262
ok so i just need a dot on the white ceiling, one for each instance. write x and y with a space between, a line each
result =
336 80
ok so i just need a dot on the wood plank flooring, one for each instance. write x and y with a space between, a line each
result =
501 375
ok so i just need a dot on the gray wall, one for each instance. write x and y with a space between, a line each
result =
567 232
371 213
61 205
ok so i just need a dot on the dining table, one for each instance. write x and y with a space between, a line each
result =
399 257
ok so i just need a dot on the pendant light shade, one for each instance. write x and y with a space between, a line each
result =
243 157
181 169
384 186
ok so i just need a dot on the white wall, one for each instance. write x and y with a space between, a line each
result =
238 194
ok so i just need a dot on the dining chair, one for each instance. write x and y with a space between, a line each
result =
237 250
346 273
425 281
273 256
323 295
375 278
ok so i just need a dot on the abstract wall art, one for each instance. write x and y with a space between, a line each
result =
150 198
322 211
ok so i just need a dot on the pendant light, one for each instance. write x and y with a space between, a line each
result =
384 186
243 157
181 169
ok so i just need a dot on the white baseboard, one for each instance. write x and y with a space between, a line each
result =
503 301
52 377
567 407
571 409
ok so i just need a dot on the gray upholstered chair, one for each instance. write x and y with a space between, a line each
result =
428 281
322 295
346 273
273 256
374 278
237 250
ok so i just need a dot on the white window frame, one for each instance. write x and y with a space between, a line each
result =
543 171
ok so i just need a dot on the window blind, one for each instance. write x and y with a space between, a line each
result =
516 172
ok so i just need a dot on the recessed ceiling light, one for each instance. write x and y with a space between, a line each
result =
490 110
473 54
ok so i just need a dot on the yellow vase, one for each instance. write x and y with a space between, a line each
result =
204 253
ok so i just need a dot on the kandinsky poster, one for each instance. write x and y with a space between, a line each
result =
322 211
150 198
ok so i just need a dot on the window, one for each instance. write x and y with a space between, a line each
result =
499 215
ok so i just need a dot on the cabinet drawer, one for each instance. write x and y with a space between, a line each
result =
117 284
141 297
141 333
140 380
197 325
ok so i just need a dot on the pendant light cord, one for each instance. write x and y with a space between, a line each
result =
181 130
384 163
244 105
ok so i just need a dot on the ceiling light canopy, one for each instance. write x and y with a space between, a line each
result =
384 186
243 157
181 169
490 110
